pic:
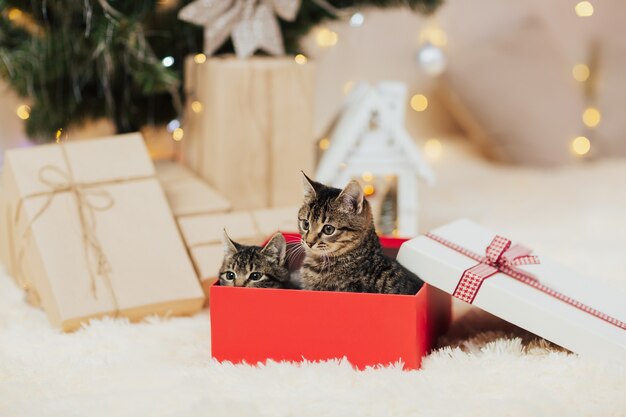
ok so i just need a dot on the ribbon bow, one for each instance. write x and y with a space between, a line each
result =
89 200
500 256
252 24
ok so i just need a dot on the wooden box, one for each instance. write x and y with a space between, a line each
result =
249 128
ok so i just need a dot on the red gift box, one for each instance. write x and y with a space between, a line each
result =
253 325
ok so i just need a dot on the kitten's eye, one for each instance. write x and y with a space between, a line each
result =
229 275
255 276
328 229
304 224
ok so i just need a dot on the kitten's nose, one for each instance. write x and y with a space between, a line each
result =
310 244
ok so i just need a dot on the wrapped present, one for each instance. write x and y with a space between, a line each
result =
520 286
203 214
254 325
93 234
186 193
249 128
5 232
203 235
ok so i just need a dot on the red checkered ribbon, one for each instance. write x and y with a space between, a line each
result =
503 257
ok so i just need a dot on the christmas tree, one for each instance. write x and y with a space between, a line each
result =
81 60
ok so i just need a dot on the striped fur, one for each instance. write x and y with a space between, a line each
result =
351 258
241 262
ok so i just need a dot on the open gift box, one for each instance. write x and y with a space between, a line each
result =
520 286
253 325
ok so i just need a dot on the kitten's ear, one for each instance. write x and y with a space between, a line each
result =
276 248
310 187
230 246
351 197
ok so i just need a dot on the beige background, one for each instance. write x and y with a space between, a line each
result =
385 47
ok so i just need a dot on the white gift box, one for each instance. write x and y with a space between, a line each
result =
544 298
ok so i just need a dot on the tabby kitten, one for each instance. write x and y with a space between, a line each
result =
342 250
255 266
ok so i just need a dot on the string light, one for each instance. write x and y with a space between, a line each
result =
173 125
23 111
591 117
14 13
326 38
580 72
168 61
178 134
581 145
324 143
433 149
434 36
419 102
58 134
199 58
347 87
367 176
357 20
300 59
368 190
584 9
196 106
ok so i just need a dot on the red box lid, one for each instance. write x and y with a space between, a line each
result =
253 325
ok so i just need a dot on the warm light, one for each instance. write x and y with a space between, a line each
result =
395 233
419 102
581 145
178 134
324 143
591 117
584 9
433 149
196 106
367 176
368 190
300 59
434 36
23 112
580 72
326 38
199 58
14 13
58 134
347 87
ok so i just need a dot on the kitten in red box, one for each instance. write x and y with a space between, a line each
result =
255 266
342 250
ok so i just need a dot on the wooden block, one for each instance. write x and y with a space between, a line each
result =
208 260
292 143
255 131
167 171
269 221
209 229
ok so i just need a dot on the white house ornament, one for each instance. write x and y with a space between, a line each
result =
369 137
252 24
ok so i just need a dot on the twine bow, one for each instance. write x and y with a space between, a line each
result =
89 200
252 24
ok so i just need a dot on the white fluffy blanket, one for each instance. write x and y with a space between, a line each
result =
485 367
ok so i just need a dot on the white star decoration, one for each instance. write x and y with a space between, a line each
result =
252 24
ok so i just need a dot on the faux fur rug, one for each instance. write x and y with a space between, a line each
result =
484 368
